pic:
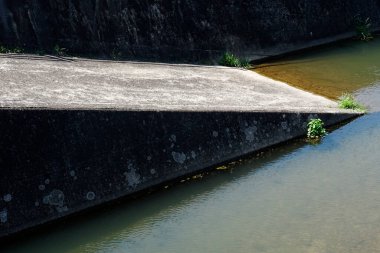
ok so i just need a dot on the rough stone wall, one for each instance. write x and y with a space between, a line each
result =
176 29
62 162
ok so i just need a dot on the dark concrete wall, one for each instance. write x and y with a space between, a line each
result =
54 162
177 29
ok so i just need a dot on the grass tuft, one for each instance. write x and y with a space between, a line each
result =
347 101
363 28
230 60
14 50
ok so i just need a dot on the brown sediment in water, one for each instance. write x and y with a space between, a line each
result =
346 67
301 80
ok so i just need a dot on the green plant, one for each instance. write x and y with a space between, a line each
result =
3 50
60 51
363 28
15 50
347 101
116 55
230 60
316 129
244 63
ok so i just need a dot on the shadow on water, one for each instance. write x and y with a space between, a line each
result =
114 221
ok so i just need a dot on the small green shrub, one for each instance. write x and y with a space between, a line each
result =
363 28
347 101
59 51
116 55
230 60
15 50
3 50
316 129
245 64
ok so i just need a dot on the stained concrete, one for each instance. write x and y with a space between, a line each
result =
193 30
79 133
43 82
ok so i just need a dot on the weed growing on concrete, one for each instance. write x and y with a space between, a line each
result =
244 63
230 60
347 101
3 50
363 28
59 51
14 50
316 129
116 55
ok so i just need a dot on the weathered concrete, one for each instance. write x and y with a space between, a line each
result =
179 30
76 134
80 84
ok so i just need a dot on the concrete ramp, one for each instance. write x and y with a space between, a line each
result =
79 133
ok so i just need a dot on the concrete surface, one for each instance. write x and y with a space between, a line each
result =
43 82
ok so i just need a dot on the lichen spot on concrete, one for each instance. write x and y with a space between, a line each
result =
284 125
179 157
132 177
173 138
72 173
149 158
215 134
90 196
47 181
55 198
7 197
4 215
41 187
250 133
152 171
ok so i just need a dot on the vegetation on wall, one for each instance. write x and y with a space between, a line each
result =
363 28
347 101
7 50
316 129
230 60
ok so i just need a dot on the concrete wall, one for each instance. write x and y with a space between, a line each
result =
55 162
180 29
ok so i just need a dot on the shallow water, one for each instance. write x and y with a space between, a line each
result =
297 198
330 71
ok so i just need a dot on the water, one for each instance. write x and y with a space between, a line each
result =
297 198
330 71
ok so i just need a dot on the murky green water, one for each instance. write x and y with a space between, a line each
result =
298 198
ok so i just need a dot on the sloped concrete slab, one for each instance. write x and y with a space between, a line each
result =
43 82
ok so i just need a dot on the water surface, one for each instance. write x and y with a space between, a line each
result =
330 71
